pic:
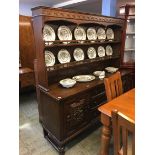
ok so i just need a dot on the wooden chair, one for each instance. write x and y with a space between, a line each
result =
113 86
123 133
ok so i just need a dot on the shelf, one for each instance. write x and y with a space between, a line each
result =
77 63
129 63
131 17
130 49
61 93
87 42
130 33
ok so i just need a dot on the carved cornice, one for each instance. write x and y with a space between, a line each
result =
67 14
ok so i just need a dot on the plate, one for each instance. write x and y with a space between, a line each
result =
48 34
49 58
80 34
110 34
98 73
91 52
64 33
91 34
84 78
78 54
64 56
109 50
101 51
111 69
101 33
67 83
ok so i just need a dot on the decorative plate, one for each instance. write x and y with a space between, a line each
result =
97 73
48 34
91 34
64 56
101 33
111 69
101 51
49 58
67 83
80 34
109 50
64 33
84 78
91 52
110 34
78 54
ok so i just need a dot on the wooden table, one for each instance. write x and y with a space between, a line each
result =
126 105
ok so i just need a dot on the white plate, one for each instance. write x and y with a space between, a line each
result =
49 58
80 34
64 33
83 78
78 54
91 52
91 33
97 73
110 34
101 33
101 51
111 69
67 83
48 34
109 50
64 56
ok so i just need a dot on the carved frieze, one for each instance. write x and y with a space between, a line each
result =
59 13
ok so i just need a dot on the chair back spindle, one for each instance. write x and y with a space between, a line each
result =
113 86
124 134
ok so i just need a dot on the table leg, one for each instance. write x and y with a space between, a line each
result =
106 135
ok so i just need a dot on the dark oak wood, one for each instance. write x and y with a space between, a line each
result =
113 86
26 77
26 51
123 133
65 113
26 41
125 104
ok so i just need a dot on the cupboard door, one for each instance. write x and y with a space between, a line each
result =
76 114
129 51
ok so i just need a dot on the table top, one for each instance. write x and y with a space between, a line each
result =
125 104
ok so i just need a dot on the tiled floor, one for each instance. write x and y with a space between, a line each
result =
32 142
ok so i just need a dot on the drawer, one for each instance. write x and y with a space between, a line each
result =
97 100
94 113
98 90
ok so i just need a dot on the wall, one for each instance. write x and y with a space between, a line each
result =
25 9
92 7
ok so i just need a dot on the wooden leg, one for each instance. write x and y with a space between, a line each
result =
106 136
62 150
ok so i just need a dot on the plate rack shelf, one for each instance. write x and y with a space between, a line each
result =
65 113
82 62
75 42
